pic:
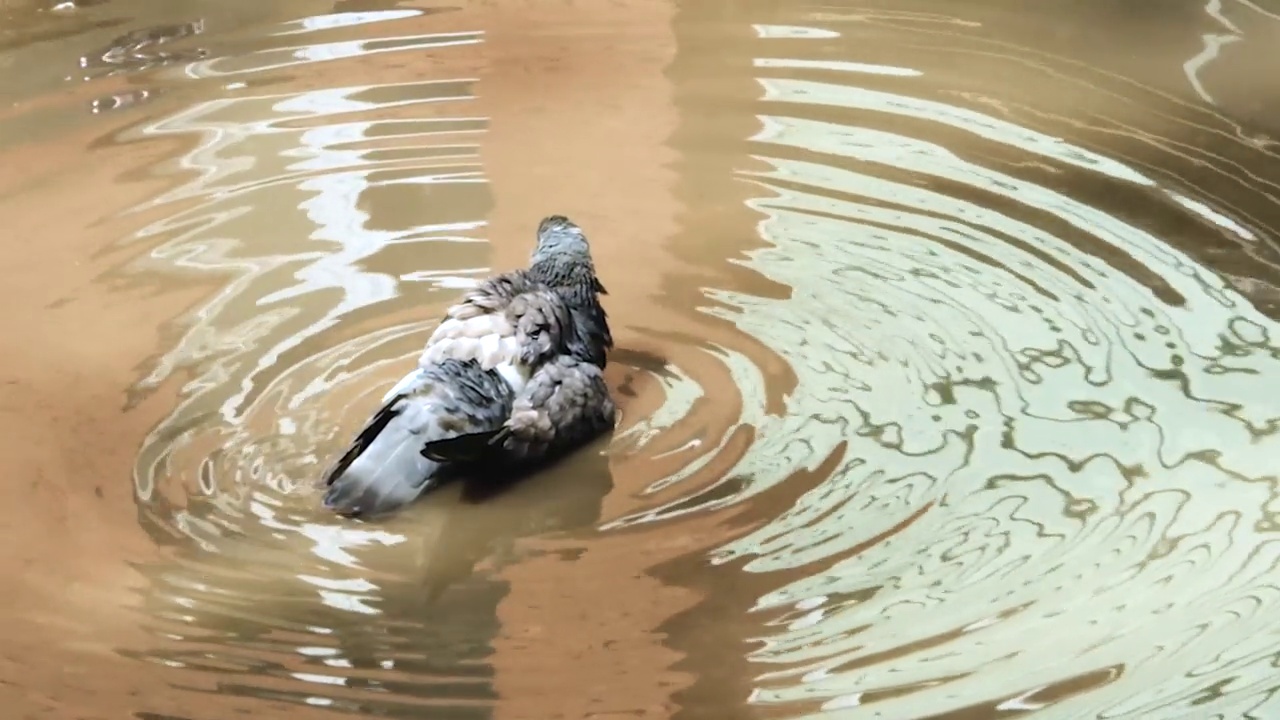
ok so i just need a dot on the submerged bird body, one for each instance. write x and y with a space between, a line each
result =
512 375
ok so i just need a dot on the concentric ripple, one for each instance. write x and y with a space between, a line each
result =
1043 429
376 198
1002 429
279 602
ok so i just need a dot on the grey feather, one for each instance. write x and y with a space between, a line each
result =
566 404
562 260
384 469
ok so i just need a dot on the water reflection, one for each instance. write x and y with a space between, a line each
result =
330 227
322 175
143 49
1026 462
374 198
963 379
393 621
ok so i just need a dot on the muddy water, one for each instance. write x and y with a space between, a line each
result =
945 358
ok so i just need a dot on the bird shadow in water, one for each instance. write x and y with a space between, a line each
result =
497 510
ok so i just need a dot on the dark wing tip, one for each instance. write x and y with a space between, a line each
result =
463 448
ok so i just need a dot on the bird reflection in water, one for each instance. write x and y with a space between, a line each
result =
406 610
496 512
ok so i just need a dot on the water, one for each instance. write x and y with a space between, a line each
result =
945 348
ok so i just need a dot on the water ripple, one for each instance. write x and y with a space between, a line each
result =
376 202
998 428
1030 441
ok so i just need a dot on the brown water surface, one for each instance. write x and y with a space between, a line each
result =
946 357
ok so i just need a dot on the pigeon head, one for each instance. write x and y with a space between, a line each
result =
560 237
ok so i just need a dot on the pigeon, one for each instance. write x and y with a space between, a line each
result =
512 376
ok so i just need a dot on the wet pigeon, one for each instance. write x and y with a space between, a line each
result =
511 376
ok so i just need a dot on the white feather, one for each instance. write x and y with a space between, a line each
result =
491 351
488 338
516 375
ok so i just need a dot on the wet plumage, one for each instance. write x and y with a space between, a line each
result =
511 375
